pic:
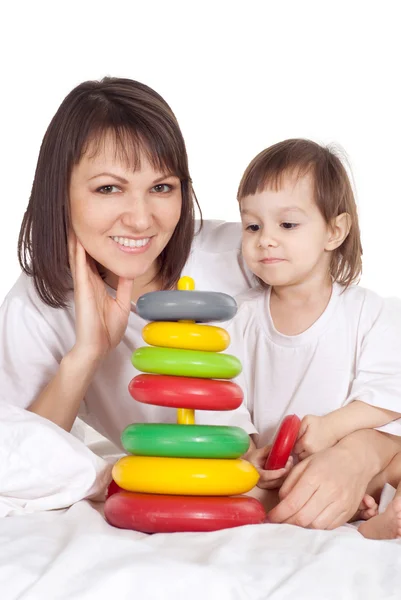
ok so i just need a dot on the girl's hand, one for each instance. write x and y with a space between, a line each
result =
101 320
315 434
268 480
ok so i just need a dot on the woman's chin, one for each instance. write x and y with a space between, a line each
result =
140 269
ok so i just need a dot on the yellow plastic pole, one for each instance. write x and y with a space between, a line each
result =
186 416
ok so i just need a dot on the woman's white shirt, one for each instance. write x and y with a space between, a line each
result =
34 338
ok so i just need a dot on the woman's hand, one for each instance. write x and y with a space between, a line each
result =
325 490
101 320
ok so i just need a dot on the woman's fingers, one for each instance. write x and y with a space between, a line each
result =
308 512
84 274
313 516
124 292
295 494
293 478
325 519
72 248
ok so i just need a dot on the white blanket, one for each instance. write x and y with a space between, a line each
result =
42 467
74 554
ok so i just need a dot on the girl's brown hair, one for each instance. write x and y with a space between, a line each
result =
332 188
140 121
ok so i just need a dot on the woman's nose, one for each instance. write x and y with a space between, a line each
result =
137 215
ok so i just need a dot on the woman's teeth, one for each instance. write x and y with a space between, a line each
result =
131 243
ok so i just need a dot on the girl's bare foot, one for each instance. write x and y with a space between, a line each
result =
386 526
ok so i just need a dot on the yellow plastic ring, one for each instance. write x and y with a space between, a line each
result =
187 476
188 336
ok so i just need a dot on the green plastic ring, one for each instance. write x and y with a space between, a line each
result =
185 441
186 363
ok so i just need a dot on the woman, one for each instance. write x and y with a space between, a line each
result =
110 217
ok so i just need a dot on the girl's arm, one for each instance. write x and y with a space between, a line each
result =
374 395
358 415
318 433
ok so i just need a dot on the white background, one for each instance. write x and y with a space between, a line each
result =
239 77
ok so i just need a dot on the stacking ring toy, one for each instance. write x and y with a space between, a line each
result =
186 363
283 443
185 305
188 476
186 335
192 441
175 392
184 476
168 514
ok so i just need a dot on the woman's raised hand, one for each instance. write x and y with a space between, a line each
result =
101 320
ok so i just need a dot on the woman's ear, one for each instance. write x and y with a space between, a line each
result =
339 229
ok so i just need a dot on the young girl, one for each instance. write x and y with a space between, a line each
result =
309 339
110 217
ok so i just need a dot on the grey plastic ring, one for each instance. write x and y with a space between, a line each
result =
176 305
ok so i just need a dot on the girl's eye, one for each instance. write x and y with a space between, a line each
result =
161 188
253 228
289 225
108 189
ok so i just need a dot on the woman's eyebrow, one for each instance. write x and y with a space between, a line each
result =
165 176
123 180
107 174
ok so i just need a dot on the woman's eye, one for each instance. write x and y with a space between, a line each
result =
161 188
108 189
289 225
253 228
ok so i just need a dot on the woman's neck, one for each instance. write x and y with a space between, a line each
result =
142 285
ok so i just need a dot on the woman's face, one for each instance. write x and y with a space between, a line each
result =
123 217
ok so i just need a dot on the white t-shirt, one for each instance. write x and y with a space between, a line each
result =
352 352
34 338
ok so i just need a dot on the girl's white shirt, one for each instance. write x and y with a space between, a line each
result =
352 352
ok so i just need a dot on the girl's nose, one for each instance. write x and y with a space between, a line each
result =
267 240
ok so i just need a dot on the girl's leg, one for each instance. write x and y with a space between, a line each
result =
387 525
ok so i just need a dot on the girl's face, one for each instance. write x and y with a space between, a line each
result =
123 217
286 240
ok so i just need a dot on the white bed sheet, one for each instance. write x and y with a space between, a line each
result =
72 553
75 554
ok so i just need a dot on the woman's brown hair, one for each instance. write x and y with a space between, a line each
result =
140 121
332 189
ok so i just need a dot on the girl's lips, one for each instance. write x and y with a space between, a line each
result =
271 261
